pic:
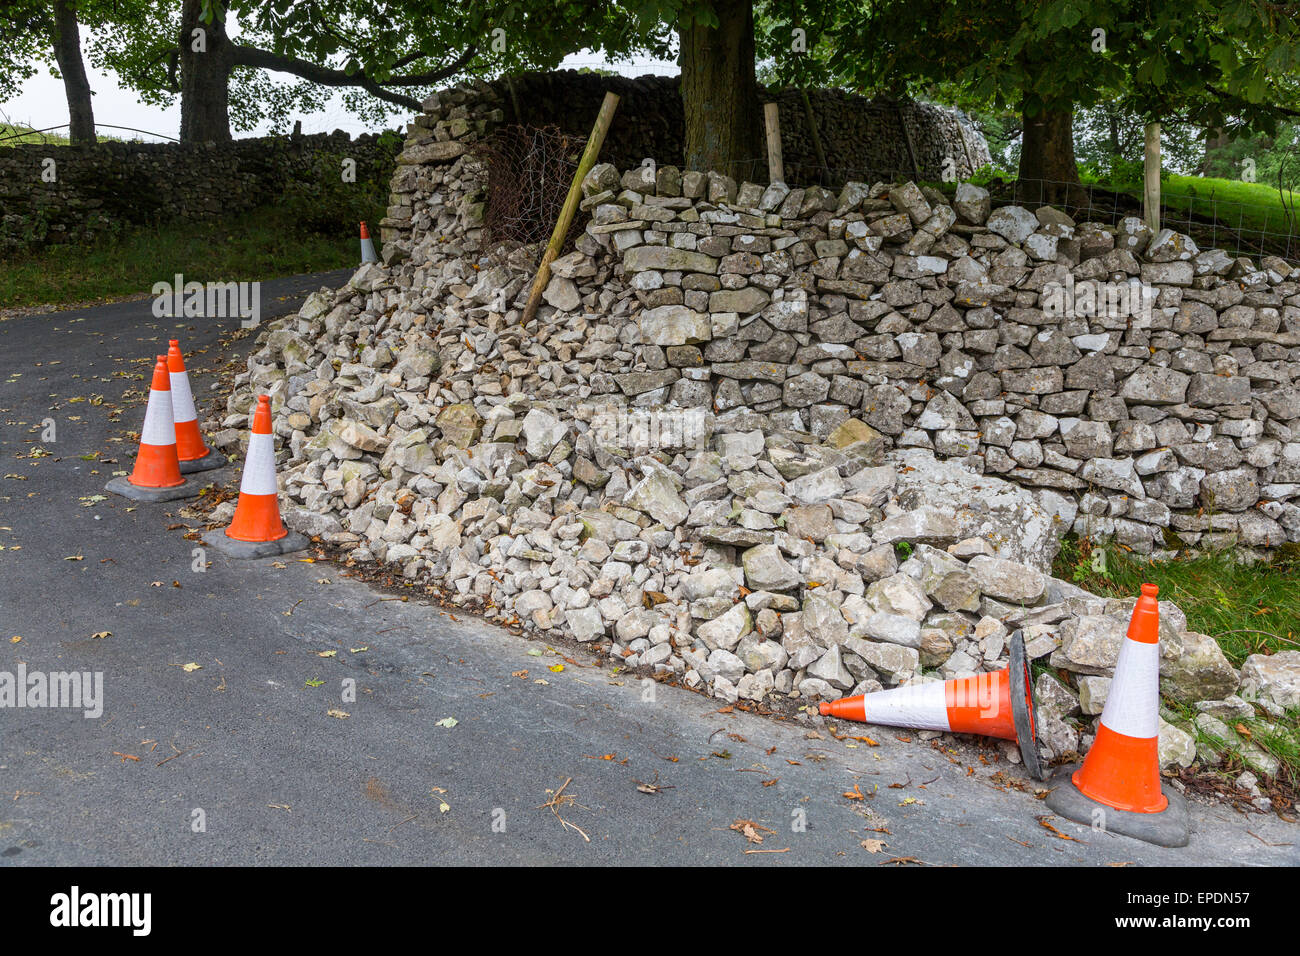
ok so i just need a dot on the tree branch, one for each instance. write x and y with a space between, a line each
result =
324 76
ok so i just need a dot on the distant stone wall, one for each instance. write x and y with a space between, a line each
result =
862 138
98 189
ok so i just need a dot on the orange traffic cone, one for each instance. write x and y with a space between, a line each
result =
194 455
993 704
256 530
157 472
367 246
1118 786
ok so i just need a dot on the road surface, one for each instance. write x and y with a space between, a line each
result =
449 753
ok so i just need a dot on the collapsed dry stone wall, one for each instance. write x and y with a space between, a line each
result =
674 460
1151 386
56 194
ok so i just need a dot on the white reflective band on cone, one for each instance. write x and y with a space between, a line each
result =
182 398
1132 701
259 468
921 706
159 428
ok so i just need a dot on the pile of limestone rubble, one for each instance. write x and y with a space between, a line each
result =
541 474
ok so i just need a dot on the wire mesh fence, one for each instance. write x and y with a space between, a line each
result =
1252 229
48 136
529 171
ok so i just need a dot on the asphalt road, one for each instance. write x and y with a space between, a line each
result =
258 760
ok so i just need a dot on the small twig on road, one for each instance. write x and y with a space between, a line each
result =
1265 842
178 753
562 799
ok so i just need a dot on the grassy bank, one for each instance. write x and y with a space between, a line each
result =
265 243
1248 609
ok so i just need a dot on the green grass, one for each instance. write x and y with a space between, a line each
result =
1247 608
27 135
1247 207
259 245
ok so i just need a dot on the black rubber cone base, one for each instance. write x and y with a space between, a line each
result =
254 549
1169 827
1023 706
120 486
213 459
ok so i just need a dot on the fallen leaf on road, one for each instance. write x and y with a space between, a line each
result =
191 667
556 668
854 794
340 714
750 830
327 654
314 682
357 650
443 806
447 722
75 557
15 639
101 634
1042 822
873 846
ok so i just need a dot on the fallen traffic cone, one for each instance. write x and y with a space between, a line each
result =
997 704
157 473
194 455
1118 787
256 530
367 246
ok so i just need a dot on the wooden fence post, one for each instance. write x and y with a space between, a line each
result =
594 141
1151 178
775 165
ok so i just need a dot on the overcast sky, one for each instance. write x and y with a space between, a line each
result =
42 104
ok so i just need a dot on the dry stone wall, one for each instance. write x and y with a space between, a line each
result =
55 194
704 453
1149 386
861 138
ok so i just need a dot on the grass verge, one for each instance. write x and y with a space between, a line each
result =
258 245
1248 608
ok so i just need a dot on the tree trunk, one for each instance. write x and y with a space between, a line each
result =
1048 173
1217 139
67 52
205 76
720 94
